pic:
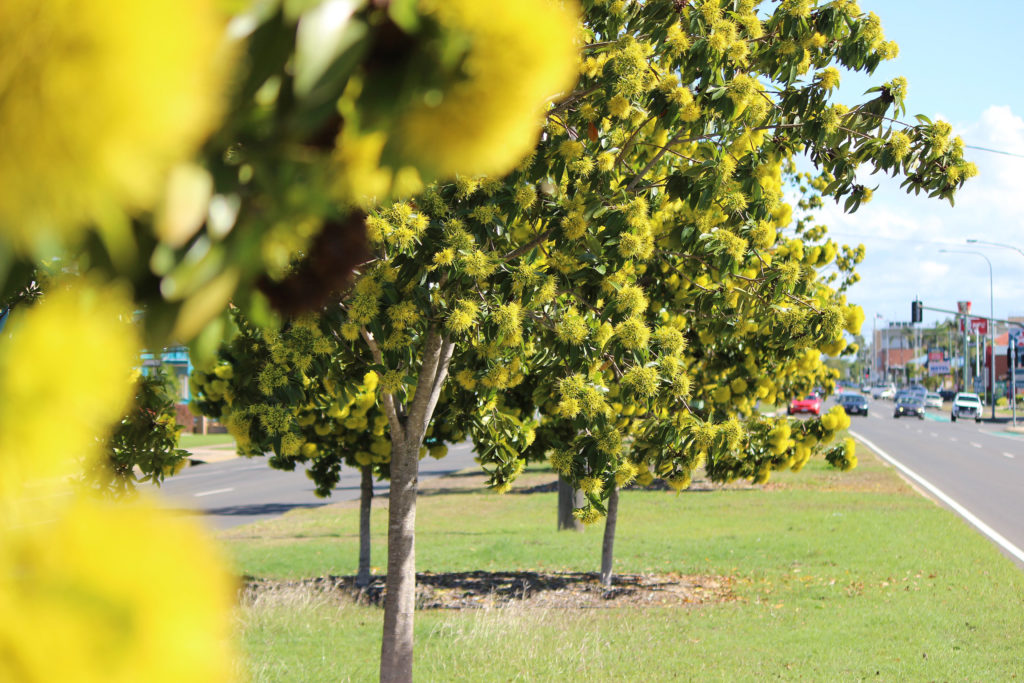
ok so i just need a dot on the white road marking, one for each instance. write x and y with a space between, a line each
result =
1008 455
933 433
952 438
210 493
876 416
920 431
998 538
975 444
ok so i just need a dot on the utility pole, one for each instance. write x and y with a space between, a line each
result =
1013 376
967 360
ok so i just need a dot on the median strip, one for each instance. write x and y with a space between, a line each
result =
994 535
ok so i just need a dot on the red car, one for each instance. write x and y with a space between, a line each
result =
811 404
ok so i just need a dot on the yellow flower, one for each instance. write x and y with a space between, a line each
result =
641 381
591 486
99 99
588 515
679 482
619 107
462 317
633 333
625 473
828 78
129 592
521 54
64 378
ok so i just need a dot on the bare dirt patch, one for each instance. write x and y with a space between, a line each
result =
486 590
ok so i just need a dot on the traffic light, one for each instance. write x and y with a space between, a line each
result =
916 311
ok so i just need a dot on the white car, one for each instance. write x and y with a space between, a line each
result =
933 400
889 393
879 389
966 406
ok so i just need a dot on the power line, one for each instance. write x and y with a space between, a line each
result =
994 151
865 237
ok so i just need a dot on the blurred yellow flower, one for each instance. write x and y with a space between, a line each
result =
107 583
522 53
65 376
98 99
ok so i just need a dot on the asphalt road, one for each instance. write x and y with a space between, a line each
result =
975 469
244 490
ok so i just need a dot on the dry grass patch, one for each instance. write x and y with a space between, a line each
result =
490 590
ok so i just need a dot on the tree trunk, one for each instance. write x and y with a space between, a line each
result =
400 598
407 432
568 499
608 545
365 500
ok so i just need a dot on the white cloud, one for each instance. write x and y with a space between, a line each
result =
904 233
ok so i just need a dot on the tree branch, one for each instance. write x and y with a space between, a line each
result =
539 239
418 416
388 399
628 144
447 349
650 164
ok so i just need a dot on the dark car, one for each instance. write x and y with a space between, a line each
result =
853 404
909 405
947 394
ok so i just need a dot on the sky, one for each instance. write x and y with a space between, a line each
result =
963 62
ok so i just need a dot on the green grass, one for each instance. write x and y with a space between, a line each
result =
194 440
838 576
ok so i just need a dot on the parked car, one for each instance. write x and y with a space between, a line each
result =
966 406
811 404
933 400
909 405
853 404
865 388
947 394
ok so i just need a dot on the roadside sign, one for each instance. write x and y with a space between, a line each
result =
963 306
938 367
934 355
979 326
1017 334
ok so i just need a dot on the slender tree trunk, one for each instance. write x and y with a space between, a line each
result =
365 500
568 500
400 598
407 432
608 545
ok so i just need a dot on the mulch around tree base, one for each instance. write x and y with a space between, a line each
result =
481 590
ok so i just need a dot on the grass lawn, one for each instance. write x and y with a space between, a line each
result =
835 577
187 441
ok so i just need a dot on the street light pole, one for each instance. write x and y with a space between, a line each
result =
1013 388
992 327
996 244
874 347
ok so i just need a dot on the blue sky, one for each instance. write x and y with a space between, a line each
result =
963 61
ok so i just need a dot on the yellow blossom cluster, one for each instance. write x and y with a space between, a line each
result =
101 99
100 577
